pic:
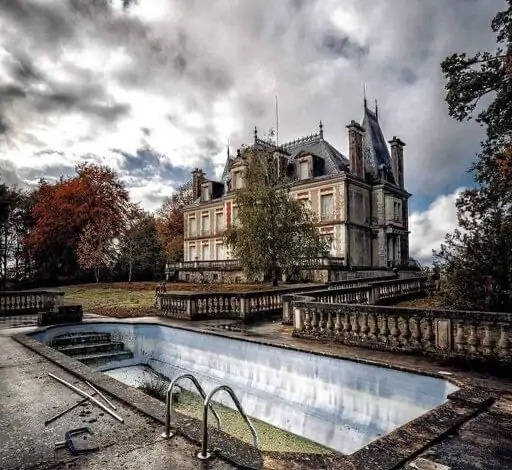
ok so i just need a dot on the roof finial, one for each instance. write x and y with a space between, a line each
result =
255 134
364 93
376 110
228 149
321 128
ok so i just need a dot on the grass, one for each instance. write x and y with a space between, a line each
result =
136 299
430 301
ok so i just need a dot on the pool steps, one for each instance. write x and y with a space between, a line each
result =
93 349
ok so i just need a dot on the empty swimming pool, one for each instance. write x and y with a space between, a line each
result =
341 404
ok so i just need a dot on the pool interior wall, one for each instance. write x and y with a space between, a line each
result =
341 404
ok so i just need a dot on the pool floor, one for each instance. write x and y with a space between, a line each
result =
271 438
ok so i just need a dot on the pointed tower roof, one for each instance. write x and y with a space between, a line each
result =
375 149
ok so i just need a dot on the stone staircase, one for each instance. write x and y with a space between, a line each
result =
93 349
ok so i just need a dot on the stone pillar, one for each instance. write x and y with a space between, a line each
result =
355 149
397 160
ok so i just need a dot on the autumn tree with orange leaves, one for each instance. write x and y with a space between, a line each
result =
170 221
94 199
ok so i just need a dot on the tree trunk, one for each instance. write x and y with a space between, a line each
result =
275 281
130 271
97 274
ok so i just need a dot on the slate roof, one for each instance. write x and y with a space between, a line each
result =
375 149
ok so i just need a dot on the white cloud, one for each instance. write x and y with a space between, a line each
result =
428 228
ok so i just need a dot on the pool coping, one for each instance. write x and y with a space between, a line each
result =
386 453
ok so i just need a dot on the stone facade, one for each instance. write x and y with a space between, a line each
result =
360 201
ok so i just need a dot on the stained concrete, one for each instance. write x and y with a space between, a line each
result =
482 441
28 396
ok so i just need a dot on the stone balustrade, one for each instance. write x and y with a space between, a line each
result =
244 305
370 291
443 333
27 302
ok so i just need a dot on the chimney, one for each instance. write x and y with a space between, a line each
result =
355 148
397 161
197 180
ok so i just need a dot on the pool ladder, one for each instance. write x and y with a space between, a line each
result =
204 454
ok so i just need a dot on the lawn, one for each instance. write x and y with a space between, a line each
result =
122 300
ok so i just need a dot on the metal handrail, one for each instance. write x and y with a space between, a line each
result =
204 454
168 402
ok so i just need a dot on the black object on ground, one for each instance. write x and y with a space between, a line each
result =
77 446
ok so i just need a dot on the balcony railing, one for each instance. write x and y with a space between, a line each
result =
232 264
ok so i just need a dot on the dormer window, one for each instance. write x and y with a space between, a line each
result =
305 167
304 170
206 192
236 179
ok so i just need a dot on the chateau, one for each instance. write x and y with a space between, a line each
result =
360 201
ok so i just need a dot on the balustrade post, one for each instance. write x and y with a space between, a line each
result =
374 297
298 318
191 307
460 337
287 308
244 307
504 342
487 342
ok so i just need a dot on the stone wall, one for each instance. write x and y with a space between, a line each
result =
477 336
61 314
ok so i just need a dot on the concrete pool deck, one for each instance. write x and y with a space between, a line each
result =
483 440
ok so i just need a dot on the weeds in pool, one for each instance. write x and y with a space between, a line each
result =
156 387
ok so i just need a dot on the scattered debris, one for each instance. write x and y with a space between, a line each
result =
86 395
62 413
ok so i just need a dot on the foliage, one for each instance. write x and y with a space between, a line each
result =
170 221
273 229
477 258
62 211
16 223
141 253
96 248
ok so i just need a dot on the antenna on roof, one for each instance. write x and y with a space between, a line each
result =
277 124
376 109
364 93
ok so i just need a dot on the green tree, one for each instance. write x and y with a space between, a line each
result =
476 259
272 230
141 253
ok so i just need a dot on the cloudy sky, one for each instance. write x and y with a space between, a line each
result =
159 88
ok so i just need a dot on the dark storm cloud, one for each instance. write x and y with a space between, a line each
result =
340 45
44 20
149 164
47 171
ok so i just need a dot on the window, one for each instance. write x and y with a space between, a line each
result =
396 211
192 227
192 253
236 180
205 252
326 207
304 170
235 216
219 251
205 225
219 222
